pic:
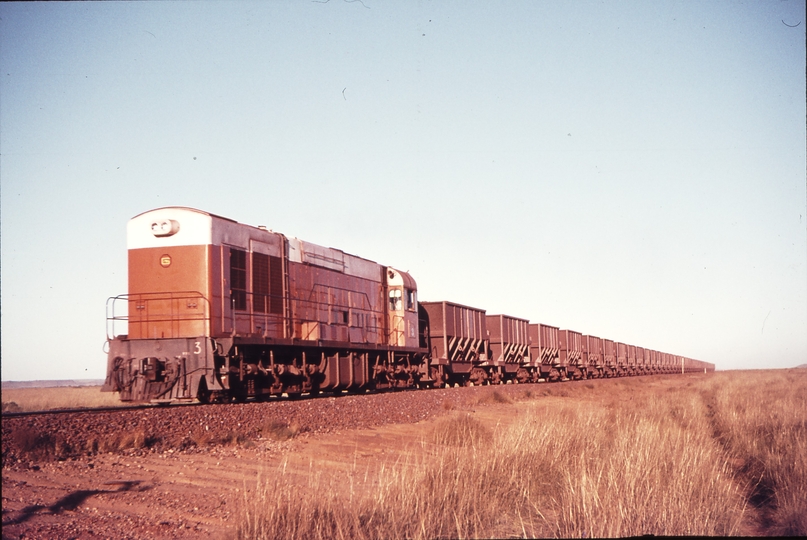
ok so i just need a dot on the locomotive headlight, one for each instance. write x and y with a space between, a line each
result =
165 227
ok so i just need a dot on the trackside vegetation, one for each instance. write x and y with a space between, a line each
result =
722 454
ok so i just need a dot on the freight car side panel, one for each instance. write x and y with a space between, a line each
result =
640 358
592 352
544 345
458 333
509 339
609 352
621 355
571 347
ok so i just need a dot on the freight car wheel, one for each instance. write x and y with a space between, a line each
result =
438 377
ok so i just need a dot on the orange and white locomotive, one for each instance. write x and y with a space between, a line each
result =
221 310
218 310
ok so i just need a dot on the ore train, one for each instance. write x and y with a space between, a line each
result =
219 311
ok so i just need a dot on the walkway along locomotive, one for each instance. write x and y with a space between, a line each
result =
218 310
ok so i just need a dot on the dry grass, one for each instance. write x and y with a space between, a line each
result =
135 439
280 431
66 397
461 430
495 397
203 437
32 444
761 420
709 455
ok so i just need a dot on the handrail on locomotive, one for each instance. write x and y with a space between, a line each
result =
146 298
260 323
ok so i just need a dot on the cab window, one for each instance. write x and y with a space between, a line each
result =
395 301
411 299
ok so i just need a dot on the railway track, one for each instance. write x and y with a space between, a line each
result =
168 404
18 414
67 434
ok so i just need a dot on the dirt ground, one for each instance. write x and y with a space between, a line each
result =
196 492
175 490
170 494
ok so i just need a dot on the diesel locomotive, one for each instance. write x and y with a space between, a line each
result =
217 310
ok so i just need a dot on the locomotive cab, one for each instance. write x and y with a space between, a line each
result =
402 309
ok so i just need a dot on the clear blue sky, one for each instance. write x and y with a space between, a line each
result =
631 170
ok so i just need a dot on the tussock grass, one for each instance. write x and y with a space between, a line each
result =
760 418
461 430
11 406
494 397
134 439
572 468
203 437
65 397
280 431
32 444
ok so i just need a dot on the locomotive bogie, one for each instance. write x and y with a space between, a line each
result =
255 370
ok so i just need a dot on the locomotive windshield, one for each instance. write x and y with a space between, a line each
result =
398 298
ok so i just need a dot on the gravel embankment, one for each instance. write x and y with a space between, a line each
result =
60 436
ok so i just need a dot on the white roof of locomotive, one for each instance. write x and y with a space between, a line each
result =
182 226
195 228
